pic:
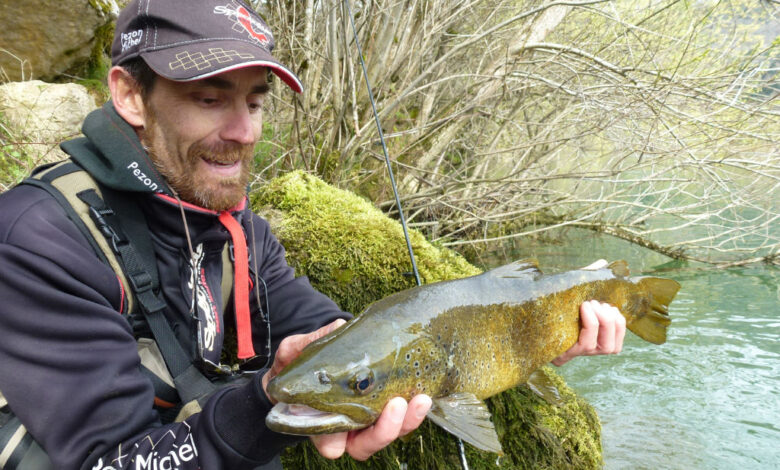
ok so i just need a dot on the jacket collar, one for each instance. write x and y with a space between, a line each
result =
112 153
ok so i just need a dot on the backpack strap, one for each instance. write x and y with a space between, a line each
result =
62 181
140 268
125 244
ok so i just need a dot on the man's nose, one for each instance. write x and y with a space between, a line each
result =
240 127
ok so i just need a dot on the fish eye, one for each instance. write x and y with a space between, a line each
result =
363 382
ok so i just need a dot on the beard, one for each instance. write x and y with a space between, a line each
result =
187 177
203 189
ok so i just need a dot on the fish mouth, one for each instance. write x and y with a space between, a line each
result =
305 421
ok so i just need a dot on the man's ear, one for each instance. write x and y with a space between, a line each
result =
126 96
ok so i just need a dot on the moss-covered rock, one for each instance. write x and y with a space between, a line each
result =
356 255
346 246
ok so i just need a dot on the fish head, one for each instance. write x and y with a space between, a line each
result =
330 388
338 384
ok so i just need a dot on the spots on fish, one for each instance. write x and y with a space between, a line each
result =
408 356
416 364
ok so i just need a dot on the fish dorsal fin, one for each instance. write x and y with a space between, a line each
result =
467 417
525 268
619 268
541 384
596 265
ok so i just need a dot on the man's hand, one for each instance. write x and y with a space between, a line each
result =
397 419
291 347
603 330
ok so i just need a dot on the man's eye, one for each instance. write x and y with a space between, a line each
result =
255 104
206 100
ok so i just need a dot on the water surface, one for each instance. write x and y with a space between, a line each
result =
709 398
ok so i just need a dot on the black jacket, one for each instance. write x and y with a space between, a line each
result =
69 365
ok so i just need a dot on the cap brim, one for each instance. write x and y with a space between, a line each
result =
205 59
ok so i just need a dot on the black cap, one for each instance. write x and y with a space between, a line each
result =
185 40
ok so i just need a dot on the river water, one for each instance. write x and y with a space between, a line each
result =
709 398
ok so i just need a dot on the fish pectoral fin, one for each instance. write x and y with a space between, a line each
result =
541 384
467 417
525 268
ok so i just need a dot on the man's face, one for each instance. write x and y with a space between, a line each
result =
201 134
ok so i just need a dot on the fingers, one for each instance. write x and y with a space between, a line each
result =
397 419
620 332
605 342
591 327
291 346
330 327
365 443
603 331
330 446
415 414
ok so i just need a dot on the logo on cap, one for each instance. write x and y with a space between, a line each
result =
245 22
133 38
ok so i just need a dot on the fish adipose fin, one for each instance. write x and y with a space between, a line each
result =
467 417
525 268
619 268
651 324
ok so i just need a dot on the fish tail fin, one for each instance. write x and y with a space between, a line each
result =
651 323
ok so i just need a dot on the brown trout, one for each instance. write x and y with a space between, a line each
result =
458 341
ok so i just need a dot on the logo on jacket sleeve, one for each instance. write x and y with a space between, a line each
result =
245 22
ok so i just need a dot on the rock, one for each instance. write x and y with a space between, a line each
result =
42 115
41 38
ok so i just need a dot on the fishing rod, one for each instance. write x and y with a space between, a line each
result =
463 462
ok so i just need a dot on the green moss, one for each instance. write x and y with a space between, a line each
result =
356 255
93 71
346 246
105 7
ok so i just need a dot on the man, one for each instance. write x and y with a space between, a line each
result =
187 85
